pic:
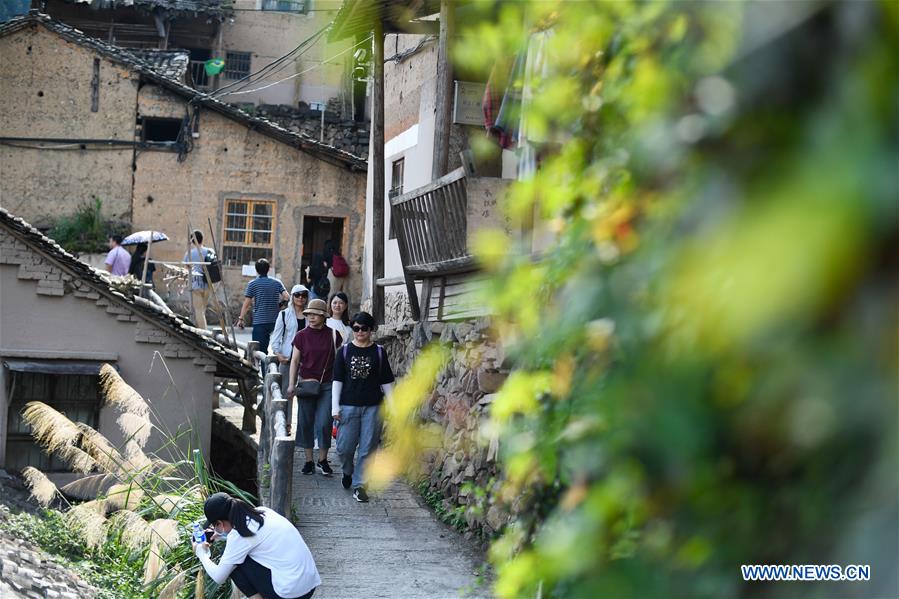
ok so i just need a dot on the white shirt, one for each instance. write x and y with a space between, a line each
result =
345 330
278 546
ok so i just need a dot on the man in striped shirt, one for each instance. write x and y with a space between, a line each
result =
265 294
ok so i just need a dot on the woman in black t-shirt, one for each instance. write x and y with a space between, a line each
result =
362 378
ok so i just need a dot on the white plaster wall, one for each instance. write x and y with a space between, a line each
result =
178 391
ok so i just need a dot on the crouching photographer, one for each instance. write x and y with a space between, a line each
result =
265 555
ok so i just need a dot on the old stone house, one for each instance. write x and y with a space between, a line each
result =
248 35
60 320
85 119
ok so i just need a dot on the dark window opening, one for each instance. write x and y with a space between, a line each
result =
160 130
237 65
396 189
77 396
316 231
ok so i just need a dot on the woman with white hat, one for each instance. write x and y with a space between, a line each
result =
290 320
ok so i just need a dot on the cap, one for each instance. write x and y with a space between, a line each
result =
298 289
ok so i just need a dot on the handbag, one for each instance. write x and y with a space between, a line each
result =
310 388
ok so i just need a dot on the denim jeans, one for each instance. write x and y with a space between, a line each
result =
360 427
263 334
314 419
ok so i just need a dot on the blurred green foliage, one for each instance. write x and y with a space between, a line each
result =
706 352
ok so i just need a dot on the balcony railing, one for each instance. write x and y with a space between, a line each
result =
431 225
199 80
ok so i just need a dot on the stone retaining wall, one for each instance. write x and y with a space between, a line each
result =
343 134
459 403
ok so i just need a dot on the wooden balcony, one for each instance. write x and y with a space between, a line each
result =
433 226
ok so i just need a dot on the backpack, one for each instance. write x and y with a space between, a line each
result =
339 266
322 287
214 268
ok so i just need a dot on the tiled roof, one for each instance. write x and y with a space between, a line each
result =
168 63
206 7
129 59
228 359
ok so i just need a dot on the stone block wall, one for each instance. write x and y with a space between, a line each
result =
343 134
459 404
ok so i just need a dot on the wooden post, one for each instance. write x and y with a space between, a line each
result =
444 107
190 279
146 265
377 163
227 322
282 475
249 413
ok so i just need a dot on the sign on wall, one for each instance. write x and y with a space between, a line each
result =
467 103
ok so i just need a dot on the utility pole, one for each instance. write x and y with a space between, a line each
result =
377 163
443 121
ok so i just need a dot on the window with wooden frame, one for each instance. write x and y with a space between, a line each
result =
76 396
396 189
249 231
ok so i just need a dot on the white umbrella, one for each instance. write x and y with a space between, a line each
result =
144 237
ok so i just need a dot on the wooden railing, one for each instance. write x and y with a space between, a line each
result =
431 225
275 412
275 444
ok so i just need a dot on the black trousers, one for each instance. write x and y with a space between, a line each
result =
251 577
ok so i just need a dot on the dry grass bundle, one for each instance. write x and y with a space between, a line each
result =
125 496
134 427
154 565
200 586
90 487
106 456
136 461
89 520
120 394
50 428
41 487
77 459
174 587
136 531
170 504
165 531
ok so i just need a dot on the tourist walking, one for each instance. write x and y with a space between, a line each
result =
311 367
118 260
265 555
290 320
265 294
339 319
200 291
338 269
362 378
138 261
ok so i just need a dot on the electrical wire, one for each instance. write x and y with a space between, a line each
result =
272 65
324 62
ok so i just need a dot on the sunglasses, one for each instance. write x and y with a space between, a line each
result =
360 328
301 294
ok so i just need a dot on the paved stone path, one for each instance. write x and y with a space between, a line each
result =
392 546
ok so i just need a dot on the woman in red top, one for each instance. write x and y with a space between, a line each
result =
313 360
